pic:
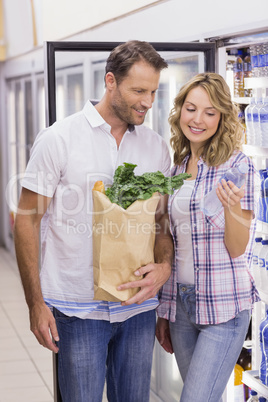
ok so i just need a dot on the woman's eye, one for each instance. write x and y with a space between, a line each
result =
190 110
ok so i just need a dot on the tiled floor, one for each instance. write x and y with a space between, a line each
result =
25 366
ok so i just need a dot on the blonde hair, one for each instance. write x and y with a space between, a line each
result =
229 135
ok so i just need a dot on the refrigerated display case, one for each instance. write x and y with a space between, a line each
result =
228 48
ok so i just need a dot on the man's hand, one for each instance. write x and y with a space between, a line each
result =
155 275
43 325
163 334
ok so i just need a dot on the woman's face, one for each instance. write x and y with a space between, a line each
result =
199 119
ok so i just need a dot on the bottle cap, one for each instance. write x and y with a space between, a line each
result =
258 239
265 241
243 167
252 392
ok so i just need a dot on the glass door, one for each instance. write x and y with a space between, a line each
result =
74 73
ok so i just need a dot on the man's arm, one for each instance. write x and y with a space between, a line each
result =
155 275
32 207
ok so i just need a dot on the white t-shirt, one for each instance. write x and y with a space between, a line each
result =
180 216
66 160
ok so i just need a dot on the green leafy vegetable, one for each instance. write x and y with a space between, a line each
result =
128 188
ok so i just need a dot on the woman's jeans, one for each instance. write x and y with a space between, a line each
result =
205 354
89 350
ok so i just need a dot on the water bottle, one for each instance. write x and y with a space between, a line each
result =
210 204
261 60
249 122
262 263
265 51
238 75
264 123
253 396
256 121
254 60
263 371
255 261
262 210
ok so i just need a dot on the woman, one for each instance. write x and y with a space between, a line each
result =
205 307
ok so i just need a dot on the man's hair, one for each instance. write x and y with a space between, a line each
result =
122 58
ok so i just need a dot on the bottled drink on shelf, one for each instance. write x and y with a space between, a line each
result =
263 372
254 60
262 211
210 204
247 73
255 261
265 199
264 123
261 60
263 259
244 361
239 393
256 121
253 396
238 75
249 122
265 51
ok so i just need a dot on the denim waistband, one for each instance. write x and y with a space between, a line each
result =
185 288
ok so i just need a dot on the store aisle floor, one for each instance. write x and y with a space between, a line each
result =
25 367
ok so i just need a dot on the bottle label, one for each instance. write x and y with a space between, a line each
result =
254 61
264 117
255 260
261 61
255 117
261 262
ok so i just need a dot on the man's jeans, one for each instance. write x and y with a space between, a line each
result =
206 354
86 347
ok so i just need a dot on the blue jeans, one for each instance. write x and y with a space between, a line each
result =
89 350
205 354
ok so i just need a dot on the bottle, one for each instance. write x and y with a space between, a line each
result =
265 51
262 399
265 199
249 122
255 261
244 361
256 121
263 371
264 123
253 396
254 61
247 73
239 394
241 117
262 210
210 203
238 75
261 62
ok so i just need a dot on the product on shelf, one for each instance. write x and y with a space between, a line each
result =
239 75
253 396
263 200
239 391
256 121
254 60
263 372
262 261
249 122
247 73
255 261
264 122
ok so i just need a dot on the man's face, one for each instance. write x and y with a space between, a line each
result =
132 98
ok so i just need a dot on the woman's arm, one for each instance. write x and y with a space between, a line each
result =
237 220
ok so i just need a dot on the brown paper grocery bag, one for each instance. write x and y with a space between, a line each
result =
123 241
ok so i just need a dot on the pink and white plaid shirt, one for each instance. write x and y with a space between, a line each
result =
224 285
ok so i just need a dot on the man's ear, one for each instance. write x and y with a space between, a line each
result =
110 81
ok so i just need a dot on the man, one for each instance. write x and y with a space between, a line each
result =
66 160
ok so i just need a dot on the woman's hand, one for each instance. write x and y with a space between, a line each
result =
163 335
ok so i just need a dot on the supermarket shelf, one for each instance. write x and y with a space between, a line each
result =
256 82
253 150
242 100
251 379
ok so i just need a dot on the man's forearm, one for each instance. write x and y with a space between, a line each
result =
26 239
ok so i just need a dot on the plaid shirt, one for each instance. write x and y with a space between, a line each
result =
224 285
